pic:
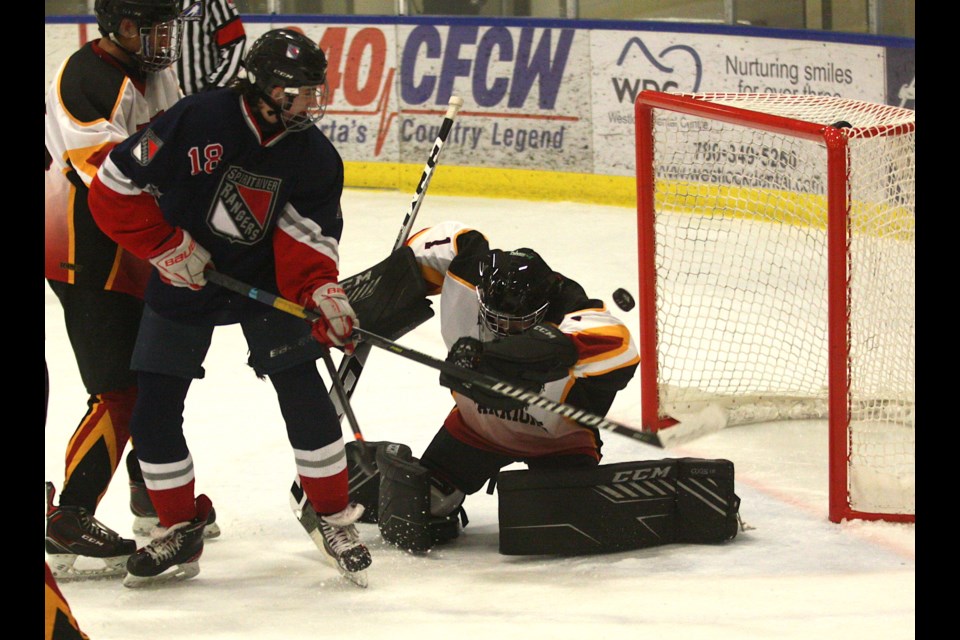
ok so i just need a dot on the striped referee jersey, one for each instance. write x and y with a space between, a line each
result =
213 45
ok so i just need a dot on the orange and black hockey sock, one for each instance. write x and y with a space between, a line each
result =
59 623
95 449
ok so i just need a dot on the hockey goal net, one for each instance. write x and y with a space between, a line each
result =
777 277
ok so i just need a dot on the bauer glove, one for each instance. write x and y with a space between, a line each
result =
335 325
183 264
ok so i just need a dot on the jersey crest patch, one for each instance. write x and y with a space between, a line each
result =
193 12
244 205
149 145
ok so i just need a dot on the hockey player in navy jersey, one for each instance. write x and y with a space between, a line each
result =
240 180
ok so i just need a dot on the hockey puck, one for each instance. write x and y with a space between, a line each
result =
623 299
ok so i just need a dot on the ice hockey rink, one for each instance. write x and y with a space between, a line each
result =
791 574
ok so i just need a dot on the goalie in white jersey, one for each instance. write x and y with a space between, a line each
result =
505 314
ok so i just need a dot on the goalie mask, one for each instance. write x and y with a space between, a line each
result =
158 23
288 59
514 290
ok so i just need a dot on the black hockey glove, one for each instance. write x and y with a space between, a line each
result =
530 359
467 354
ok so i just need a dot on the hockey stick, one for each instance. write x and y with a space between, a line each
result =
452 108
366 460
352 366
489 383
468 376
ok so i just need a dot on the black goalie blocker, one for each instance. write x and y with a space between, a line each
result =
617 507
390 298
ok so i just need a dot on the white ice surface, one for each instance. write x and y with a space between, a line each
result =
792 574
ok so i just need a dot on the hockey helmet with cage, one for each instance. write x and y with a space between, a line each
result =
159 25
288 59
514 290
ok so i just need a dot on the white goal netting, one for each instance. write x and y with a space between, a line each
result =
750 254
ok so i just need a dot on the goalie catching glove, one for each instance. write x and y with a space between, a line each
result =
465 353
539 355
335 325
528 360
181 261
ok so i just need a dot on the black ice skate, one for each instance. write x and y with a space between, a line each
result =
335 535
73 533
173 554
145 516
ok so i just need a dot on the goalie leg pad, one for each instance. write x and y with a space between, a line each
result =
363 488
601 509
707 507
617 507
404 503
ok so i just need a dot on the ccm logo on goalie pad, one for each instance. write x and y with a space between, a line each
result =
641 474
360 288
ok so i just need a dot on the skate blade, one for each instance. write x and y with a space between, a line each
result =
64 568
178 573
143 527
311 524
358 578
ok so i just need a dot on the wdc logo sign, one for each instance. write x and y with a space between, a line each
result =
676 68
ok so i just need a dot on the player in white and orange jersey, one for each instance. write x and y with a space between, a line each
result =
505 314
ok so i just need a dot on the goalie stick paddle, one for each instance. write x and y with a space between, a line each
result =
468 376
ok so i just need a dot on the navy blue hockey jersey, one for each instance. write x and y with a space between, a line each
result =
266 208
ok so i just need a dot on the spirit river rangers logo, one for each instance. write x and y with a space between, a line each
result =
244 205
149 146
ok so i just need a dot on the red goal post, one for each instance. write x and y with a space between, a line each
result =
776 260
